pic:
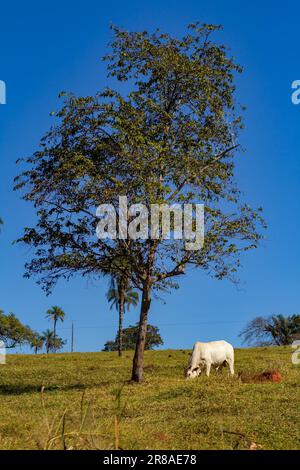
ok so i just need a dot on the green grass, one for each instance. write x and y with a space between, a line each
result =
88 403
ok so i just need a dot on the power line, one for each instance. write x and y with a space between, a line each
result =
161 324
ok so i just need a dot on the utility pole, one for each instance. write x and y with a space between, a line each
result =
72 338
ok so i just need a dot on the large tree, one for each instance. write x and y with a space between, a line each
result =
172 139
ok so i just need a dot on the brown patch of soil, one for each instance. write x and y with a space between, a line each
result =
265 376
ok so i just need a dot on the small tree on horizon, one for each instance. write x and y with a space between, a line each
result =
130 335
121 296
48 338
52 343
275 330
54 314
37 343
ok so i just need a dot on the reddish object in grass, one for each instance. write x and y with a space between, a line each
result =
161 436
268 376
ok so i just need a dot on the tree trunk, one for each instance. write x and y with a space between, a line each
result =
54 333
138 360
121 302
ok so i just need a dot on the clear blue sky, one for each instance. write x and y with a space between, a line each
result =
55 45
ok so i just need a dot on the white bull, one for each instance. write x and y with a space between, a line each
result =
206 355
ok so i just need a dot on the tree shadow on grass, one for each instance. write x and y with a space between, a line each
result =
20 389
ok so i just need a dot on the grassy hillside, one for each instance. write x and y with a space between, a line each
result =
87 403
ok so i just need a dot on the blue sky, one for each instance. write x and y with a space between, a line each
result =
58 46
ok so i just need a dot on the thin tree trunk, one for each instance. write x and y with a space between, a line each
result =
121 302
54 334
138 360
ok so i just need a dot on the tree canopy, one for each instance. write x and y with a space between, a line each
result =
13 332
131 297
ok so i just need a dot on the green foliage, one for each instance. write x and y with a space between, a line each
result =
153 339
275 330
131 297
13 332
52 342
37 343
172 139
55 313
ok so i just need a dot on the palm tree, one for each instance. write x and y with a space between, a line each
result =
37 343
121 296
276 330
55 313
48 338
283 329
52 343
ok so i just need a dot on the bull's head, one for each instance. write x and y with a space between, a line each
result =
193 372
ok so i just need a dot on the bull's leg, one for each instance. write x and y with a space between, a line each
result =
231 367
208 366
